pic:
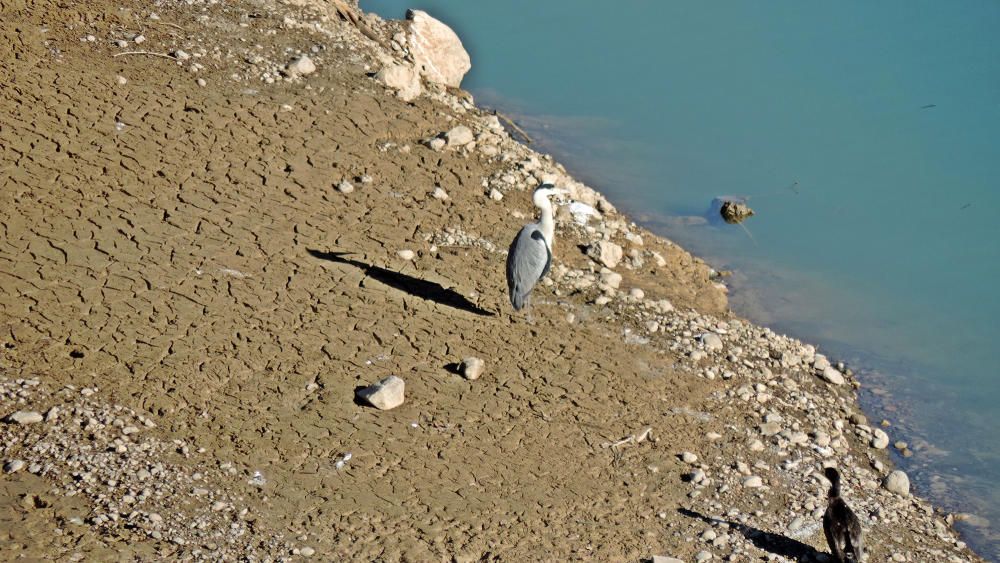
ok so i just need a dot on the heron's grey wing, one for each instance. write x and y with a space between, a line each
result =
528 261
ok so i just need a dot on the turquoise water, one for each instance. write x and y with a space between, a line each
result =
888 117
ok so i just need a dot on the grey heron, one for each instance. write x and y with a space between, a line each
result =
530 255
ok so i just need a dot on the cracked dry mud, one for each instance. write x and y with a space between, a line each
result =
172 285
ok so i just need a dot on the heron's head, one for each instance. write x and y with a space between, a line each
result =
545 191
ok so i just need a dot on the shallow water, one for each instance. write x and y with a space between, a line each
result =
887 116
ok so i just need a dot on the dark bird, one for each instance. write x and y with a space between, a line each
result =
928 106
842 527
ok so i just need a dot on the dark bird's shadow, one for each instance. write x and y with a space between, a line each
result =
417 287
769 542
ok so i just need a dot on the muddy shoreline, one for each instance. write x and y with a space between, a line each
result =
209 245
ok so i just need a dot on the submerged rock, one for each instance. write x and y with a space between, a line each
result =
733 211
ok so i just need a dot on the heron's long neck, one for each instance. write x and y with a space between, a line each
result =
546 223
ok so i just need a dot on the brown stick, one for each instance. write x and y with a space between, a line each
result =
154 22
513 125
150 53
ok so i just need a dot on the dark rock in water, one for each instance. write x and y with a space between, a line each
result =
733 211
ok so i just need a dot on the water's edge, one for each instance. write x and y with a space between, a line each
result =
878 397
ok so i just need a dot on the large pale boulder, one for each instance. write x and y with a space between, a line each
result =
437 51
403 78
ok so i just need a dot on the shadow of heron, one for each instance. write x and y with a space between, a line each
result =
416 287
767 541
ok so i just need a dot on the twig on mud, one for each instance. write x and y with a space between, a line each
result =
632 438
151 53
514 126
168 23
623 441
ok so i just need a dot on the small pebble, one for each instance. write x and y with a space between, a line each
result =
25 417
13 466
472 368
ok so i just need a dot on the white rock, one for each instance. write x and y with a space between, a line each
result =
880 440
664 559
121 80
437 143
403 78
384 395
496 195
139 39
831 375
753 482
439 193
406 254
636 293
459 136
437 50
307 552
13 466
607 253
820 362
688 457
703 556
202 82
25 417
472 368
711 341
301 66
181 55
345 187
897 482
582 212
611 279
